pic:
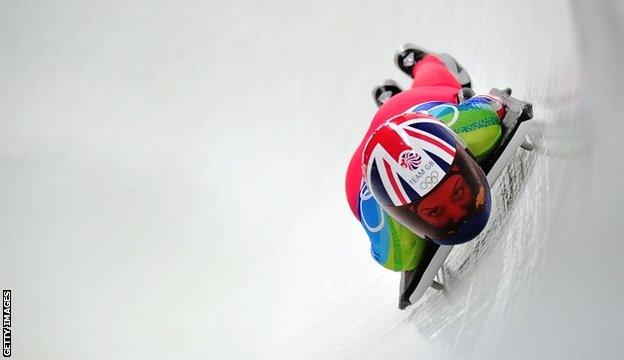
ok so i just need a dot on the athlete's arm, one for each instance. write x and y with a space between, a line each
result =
477 121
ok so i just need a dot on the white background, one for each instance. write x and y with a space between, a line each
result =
172 181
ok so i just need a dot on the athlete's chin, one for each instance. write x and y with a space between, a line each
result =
459 233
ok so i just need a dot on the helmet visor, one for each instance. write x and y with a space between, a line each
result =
456 210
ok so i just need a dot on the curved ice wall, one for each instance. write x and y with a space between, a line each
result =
172 181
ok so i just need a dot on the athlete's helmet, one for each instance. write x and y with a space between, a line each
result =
423 176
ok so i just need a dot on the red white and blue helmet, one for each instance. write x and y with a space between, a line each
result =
421 174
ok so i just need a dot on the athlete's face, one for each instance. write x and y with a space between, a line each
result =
449 203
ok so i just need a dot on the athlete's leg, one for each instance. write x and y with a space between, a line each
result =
431 71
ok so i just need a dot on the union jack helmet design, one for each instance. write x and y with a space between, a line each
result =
406 157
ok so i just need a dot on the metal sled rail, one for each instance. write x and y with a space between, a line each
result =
414 283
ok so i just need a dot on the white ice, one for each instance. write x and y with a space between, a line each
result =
171 181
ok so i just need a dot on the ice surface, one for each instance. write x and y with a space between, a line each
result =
172 181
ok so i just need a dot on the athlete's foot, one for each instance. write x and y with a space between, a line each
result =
464 94
407 56
385 91
462 76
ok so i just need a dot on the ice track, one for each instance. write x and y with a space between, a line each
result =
172 181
